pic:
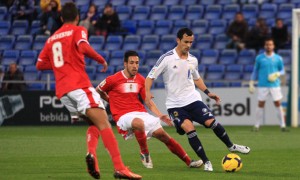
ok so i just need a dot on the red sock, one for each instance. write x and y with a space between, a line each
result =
111 144
142 140
92 136
176 148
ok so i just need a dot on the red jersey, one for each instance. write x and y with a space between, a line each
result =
61 53
124 93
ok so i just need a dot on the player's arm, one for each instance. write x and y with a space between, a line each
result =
253 77
43 62
88 51
103 88
103 94
201 85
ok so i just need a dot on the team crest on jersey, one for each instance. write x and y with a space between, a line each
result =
103 83
83 34
152 71
204 110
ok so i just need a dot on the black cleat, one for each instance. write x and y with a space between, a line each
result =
91 166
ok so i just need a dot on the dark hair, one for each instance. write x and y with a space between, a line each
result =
183 31
69 12
269 39
129 53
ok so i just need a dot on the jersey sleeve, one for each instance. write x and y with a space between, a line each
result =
105 85
159 68
81 35
143 90
43 62
255 69
195 72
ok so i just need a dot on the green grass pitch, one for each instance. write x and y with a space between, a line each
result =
59 153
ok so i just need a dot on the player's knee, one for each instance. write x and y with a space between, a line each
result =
161 135
138 124
212 123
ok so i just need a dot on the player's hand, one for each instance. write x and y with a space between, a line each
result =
272 77
166 120
215 97
104 69
251 87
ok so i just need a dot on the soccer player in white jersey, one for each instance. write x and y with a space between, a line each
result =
267 69
184 103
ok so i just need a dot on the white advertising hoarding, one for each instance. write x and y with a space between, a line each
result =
237 106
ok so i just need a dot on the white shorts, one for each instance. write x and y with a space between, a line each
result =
151 123
264 92
79 100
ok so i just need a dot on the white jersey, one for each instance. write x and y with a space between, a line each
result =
178 76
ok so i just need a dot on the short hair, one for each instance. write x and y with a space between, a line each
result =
183 31
69 12
128 54
269 39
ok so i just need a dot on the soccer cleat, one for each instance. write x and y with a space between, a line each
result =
126 174
239 148
91 162
146 160
196 164
285 129
255 129
208 166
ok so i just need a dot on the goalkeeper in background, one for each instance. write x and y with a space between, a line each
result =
267 69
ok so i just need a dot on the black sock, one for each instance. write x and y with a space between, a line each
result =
221 133
196 145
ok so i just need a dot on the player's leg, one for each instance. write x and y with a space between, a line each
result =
262 94
175 148
91 105
277 96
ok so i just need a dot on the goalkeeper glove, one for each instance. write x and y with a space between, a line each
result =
251 87
272 77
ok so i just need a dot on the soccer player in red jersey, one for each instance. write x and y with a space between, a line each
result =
64 53
123 91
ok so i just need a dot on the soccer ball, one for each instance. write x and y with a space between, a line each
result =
232 163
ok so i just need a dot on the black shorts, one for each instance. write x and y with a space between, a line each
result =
195 112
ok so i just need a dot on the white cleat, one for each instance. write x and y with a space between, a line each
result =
146 160
208 166
196 164
239 148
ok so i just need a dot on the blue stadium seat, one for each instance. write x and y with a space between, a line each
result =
176 12
100 3
113 42
97 42
203 41
145 27
31 76
235 84
39 42
228 56
248 69
10 56
215 72
230 10
150 42
152 56
135 2
167 42
221 41
4 27
144 69
163 27
219 84
178 24
233 72
196 53
209 56
132 42
194 12
188 2
27 57
141 13
46 74
217 26
158 12
30 68
250 11
101 76
129 25
110 70
142 56
285 11
23 42
213 12
225 2
19 27
246 56
3 12
278 2
81 2
116 58
268 10
35 27
170 3
124 12
91 71
286 55
103 53
153 2
199 26
118 2
7 42
36 86
207 2
202 69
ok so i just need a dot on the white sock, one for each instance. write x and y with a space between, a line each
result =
259 116
280 116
